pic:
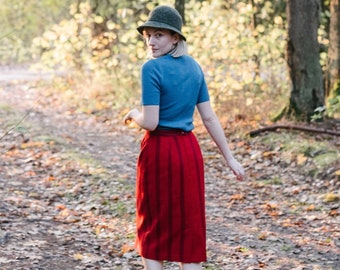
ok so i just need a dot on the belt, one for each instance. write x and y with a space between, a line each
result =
167 132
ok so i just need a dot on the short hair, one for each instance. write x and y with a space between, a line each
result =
180 49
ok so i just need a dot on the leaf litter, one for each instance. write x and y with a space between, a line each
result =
67 189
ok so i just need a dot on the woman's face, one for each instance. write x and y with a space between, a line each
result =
159 41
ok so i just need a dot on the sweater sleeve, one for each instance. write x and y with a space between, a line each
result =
151 84
203 94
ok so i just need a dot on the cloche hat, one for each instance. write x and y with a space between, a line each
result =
164 17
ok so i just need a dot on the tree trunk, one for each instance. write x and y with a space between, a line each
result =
78 60
180 6
256 57
303 57
333 75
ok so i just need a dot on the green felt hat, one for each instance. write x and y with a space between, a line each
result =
164 17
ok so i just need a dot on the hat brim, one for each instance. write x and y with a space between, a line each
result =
161 25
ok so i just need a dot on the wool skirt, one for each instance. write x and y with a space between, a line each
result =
170 210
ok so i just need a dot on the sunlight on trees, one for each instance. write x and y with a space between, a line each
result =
242 63
240 45
21 20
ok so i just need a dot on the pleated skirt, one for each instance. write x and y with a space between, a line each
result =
170 210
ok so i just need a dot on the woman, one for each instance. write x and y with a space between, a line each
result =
170 177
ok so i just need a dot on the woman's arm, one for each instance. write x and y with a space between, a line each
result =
147 119
216 132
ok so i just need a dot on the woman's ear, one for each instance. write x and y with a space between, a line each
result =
176 39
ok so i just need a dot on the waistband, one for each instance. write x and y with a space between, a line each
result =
169 132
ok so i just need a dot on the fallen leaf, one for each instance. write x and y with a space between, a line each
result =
236 197
301 159
127 248
331 197
311 207
262 236
60 207
78 256
334 213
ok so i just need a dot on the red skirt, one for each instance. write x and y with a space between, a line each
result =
170 198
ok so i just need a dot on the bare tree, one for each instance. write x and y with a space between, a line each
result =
303 57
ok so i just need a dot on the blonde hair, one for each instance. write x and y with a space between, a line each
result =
180 49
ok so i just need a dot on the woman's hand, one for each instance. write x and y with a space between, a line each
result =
146 119
130 116
237 169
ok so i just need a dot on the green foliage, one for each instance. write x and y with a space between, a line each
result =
333 106
243 64
240 45
302 150
21 21
111 55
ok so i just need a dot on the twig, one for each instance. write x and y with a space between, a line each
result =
18 124
7 34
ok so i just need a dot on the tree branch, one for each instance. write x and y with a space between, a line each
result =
293 127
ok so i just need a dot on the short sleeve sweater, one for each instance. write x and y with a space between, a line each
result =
176 85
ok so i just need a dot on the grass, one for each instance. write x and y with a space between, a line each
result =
5 108
303 148
323 160
273 181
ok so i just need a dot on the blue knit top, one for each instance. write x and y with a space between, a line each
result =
176 85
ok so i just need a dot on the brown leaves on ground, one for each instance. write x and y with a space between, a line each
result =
67 189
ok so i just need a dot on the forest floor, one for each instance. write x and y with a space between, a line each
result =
67 190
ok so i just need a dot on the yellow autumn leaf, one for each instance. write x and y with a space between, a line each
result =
268 153
249 101
98 230
98 19
331 197
238 197
127 248
311 207
301 159
78 256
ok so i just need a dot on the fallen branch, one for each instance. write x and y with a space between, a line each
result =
293 127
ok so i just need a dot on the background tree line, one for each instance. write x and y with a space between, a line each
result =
256 54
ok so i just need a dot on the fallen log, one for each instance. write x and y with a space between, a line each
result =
256 132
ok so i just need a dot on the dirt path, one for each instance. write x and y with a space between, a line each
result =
34 233
67 187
